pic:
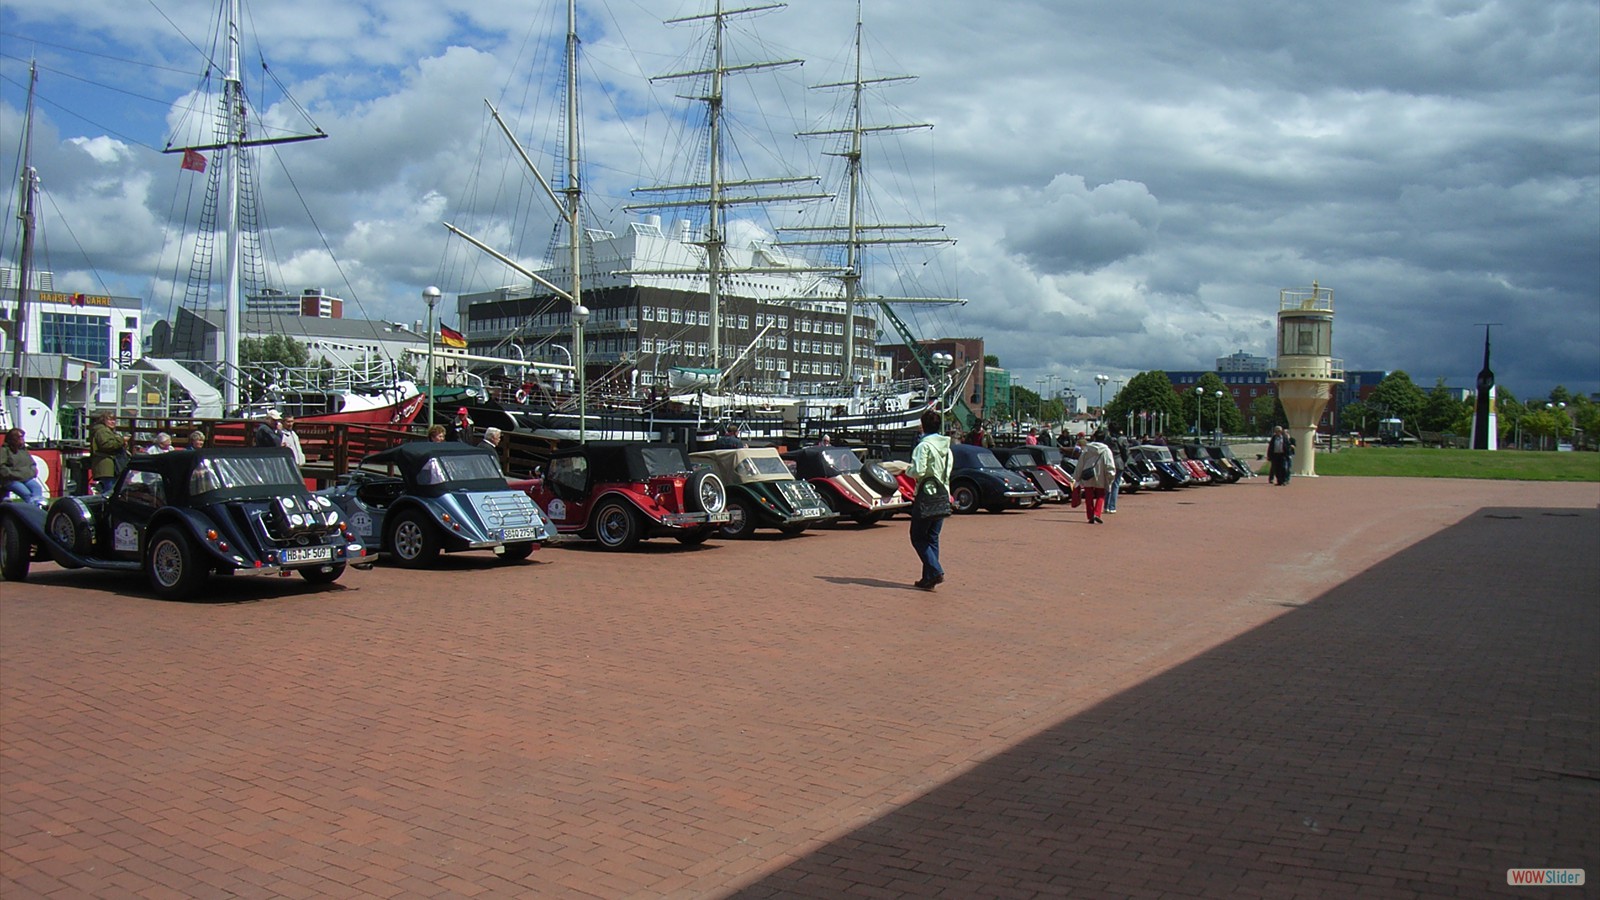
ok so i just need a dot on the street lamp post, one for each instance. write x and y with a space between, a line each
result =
1218 426
580 317
430 296
1199 397
1039 383
1101 380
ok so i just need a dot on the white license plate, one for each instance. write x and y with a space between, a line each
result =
308 554
810 512
525 533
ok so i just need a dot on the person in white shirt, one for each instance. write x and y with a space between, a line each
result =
288 438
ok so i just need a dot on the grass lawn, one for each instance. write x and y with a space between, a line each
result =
1422 462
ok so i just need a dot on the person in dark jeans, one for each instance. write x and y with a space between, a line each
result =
1280 453
930 458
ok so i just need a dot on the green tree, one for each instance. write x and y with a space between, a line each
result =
1357 416
1396 396
274 348
1443 410
1203 407
991 360
1147 392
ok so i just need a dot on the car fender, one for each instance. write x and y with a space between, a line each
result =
454 538
196 524
651 511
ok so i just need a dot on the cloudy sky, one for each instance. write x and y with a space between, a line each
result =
1129 184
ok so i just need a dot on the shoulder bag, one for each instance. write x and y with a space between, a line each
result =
933 499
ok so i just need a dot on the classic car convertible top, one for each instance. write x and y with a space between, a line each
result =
448 496
180 516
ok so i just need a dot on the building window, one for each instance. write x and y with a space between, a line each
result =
85 337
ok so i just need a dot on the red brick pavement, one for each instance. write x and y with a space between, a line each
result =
1368 686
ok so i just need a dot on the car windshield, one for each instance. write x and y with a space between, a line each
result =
663 461
1052 456
1019 459
459 467
757 466
841 460
274 475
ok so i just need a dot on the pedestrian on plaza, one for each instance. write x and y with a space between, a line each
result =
436 434
1280 453
1033 437
197 440
19 471
1119 450
1097 471
108 451
931 462
288 438
270 432
163 444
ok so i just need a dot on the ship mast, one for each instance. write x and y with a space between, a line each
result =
715 198
852 233
235 138
26 216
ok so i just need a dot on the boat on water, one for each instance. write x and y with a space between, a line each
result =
683 331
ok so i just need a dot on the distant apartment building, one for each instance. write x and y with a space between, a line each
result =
311 302
782 322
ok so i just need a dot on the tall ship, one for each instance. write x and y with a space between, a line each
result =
689 321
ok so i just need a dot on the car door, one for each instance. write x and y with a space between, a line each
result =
129 509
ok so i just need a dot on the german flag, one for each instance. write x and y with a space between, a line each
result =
451 337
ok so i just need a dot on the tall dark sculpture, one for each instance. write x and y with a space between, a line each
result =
1485 430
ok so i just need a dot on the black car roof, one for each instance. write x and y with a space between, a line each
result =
626 460
411 456
967 454
175 466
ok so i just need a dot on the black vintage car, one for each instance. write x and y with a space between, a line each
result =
445 496
181 516
762 492
1049 479
978 479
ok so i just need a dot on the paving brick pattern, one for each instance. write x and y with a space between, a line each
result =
1346 686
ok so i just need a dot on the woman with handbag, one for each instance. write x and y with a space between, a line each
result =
1097 471
931 463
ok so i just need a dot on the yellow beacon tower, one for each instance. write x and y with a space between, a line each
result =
1305 370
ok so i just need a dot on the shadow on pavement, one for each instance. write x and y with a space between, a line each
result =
1417 730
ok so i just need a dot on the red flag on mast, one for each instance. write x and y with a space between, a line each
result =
194 161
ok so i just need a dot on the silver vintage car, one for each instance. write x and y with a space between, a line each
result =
444 496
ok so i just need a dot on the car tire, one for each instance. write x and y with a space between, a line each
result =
68 524
877 476
617 525
513 553
741 519
964 497
14 551
413 540
323 574
792 530
173 565
870 518
695 538
705 493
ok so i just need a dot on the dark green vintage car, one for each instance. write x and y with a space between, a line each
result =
762 493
